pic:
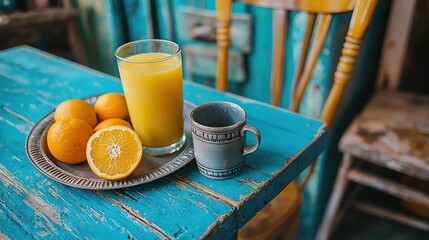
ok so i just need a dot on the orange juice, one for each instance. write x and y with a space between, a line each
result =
152 85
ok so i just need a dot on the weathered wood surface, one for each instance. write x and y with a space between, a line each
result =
393 188
202 61
183 205
139 19
33 18
201 24
164 19
102 29
393 215
31 27
393 132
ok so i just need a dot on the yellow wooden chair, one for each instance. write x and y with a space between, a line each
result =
280 217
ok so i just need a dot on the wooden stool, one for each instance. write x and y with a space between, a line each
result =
393 133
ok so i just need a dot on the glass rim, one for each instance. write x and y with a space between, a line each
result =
170 56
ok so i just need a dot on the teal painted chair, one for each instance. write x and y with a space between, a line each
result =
280 217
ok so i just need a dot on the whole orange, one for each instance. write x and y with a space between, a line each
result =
67 140
76 108
112 122
111 105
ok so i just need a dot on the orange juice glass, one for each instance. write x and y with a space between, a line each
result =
151 75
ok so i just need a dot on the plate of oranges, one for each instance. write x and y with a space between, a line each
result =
90 143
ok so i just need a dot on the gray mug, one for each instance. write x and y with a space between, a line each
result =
218 133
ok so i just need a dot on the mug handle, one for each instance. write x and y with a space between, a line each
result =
250 149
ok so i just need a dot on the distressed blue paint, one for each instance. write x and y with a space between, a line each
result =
187 18
202 61
75 72
26 82
164 19
176 206
257 85
102 30
40 207
138 19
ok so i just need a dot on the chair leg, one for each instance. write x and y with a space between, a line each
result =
335 199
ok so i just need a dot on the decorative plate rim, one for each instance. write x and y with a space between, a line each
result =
44 164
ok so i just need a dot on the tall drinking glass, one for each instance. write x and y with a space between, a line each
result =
151 75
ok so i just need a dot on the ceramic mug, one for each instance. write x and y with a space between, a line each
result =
218 132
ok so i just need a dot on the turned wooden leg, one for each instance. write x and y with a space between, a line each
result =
224 12
335 199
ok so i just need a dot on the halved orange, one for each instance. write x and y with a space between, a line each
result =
113 153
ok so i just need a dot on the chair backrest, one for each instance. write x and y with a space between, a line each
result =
362 12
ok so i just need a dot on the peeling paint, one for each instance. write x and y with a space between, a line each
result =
214 227
207 190
320 131
44 94
39 206
249 183
54 192
19 127
4 237
45 232
99 216
13 113
67 228
132 213
46 102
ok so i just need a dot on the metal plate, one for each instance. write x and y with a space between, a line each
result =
81 176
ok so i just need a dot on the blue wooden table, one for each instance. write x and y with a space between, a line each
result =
183 205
